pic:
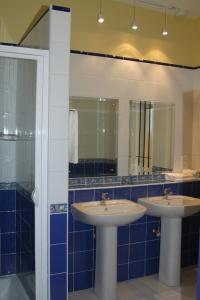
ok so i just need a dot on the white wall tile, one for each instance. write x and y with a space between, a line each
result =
58 58
58 123
57 187
58 155
59 90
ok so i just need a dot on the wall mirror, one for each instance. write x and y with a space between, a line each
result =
150 132
151 137
97 137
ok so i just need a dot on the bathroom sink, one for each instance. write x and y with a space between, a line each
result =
113 213
106 216
174 206
171 211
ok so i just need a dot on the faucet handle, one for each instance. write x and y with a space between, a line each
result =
105 196
168 191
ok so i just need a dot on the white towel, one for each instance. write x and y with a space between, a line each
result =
73 136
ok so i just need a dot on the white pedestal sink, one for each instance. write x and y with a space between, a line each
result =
171 211
107 217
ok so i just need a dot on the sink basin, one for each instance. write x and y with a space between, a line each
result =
171 212
113 213
107 217
175 206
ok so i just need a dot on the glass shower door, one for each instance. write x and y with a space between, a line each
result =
21 108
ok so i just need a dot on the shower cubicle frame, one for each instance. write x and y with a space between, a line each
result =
41 57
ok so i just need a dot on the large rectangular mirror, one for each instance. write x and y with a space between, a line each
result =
149 130
97 137
151 137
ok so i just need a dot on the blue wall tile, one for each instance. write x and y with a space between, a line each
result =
136 269
58 286
83 280
58 261
122 272
7 200
8 243
84 196
70 283
83 240
58 225
138 192
155 190
122 254
8 264
123 235
122 193
83 261
137 233
79 226
153 249
137 251
70 263
5 225
152 266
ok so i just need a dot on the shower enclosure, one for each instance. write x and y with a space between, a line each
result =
23 160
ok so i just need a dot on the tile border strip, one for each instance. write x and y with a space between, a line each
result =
58 208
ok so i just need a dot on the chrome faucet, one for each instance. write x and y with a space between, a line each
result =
104 197
167 193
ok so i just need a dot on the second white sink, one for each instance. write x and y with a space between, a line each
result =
174 206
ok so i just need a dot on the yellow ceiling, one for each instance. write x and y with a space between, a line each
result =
115 37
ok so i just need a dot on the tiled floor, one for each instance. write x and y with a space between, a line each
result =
149 288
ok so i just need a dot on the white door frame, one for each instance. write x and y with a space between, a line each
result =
41 157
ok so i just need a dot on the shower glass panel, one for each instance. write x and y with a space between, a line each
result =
151 137
97 138
17 178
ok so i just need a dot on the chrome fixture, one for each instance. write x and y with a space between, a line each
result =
104 197
167 193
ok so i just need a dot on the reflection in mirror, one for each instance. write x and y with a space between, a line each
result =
97 137
151 137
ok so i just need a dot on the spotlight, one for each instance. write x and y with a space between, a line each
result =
100 17
134 25
165 31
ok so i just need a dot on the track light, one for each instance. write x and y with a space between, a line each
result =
165 31
134 25
100 17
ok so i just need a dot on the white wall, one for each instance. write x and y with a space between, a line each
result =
124 80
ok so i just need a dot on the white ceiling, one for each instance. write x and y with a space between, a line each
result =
177 7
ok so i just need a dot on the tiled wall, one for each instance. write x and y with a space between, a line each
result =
58 250
25 233
138 243
8 231
17 232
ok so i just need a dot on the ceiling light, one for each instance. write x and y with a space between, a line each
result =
165 31
134 25
100 17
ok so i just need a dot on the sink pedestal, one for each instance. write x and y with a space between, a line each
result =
170 251
106 263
